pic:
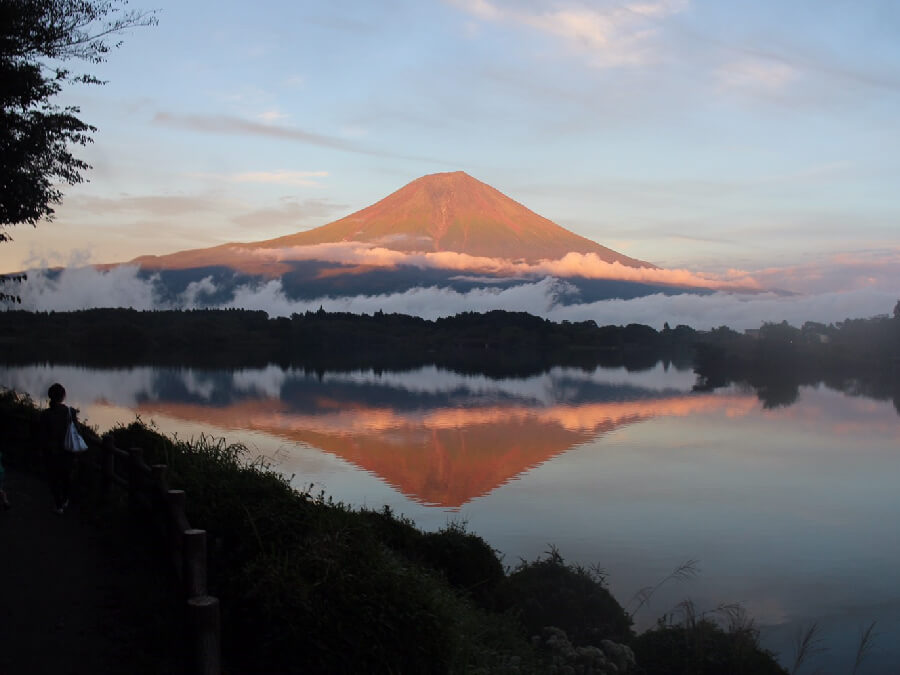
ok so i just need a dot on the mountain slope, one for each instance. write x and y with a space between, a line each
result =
455 212
434 213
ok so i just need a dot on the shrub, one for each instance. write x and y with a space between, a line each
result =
19 417
466 560
700 646
550 592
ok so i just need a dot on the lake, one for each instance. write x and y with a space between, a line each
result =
791 511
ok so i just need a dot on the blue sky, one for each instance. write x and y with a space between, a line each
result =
699 134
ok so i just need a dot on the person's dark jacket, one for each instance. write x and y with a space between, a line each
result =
54 422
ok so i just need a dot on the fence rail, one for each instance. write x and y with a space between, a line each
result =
148 493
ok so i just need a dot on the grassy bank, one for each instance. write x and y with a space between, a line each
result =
310 585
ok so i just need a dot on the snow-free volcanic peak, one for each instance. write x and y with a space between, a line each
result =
438 212
455 212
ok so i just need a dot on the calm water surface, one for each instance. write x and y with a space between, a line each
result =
792 512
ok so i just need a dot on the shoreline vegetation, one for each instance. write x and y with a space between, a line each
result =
310 585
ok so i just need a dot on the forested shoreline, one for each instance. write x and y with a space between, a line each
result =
857 356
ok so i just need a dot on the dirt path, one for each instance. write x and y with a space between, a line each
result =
78 593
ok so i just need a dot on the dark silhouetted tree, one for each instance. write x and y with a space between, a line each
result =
37 136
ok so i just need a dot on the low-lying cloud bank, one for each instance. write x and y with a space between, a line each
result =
86 287
587 265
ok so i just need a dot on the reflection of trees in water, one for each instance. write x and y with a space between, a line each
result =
778 394
859 357
776 390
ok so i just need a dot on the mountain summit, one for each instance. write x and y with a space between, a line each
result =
455 212
438 212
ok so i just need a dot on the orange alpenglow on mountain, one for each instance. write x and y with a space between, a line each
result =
455 212
436 213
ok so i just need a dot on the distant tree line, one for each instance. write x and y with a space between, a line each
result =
499 342
857 356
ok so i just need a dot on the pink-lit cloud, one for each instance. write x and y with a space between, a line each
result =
856 270
588 265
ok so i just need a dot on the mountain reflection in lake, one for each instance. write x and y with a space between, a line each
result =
790 511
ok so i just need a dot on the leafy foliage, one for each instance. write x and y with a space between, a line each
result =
36 136
550 592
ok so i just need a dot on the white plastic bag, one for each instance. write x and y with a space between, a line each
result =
73 442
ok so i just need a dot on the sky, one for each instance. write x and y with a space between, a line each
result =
707 135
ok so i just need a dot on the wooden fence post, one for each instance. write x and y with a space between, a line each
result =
135 478
107 467
159 486
176 501
203 615
194 562
188 545
159 473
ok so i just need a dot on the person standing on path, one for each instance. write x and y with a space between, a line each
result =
57 460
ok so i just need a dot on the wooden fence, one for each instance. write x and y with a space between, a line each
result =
148 493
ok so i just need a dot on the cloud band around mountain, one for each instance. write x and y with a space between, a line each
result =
86 287
586 265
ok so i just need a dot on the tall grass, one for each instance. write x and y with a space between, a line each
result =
683 572
866 640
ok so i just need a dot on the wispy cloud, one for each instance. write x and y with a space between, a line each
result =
290 213
621 35
148 205
854 270
224 124
272 116
354 131
278 177
775 59
756 75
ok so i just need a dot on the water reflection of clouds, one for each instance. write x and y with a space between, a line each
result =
84 386
427 386
548 388
263 381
